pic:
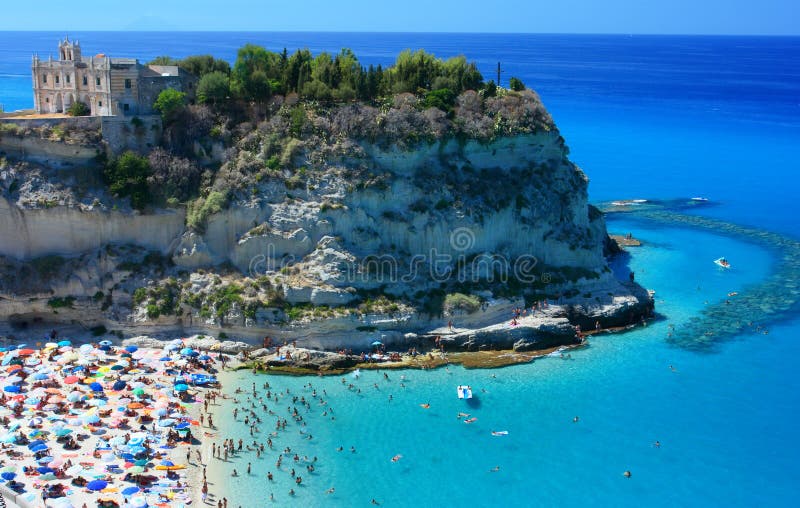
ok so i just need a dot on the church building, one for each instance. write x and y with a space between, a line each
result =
108 86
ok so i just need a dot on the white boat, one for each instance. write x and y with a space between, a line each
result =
699 199
464 392
722 262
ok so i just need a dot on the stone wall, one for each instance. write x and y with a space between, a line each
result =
140 133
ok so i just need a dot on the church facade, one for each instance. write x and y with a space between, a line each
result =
108 86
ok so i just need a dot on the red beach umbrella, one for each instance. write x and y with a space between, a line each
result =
71 380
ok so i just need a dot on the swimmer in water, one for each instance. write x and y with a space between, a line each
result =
657 444
397 458
575 420
462 415
494 469
330 490
427 405
626 474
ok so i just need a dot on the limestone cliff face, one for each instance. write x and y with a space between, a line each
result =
70 230
428 209
517 196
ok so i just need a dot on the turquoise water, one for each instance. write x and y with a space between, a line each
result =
649 117
713 415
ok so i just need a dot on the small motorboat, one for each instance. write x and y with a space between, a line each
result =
722 262
464 392
699 198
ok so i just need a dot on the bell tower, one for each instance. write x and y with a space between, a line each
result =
69 51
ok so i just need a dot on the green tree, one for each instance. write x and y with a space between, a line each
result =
255 73
516 84
490 89
169 103
127 176
214 87
78 108
444 98
163 60
200 65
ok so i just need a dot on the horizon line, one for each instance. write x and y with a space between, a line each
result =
624 34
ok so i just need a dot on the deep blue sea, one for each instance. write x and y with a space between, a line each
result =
645 117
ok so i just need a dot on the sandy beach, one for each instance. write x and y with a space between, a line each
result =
102 425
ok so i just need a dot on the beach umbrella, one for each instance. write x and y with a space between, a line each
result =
8 476
89 419
11 389
105 343
8 438
8 469
96 387
119 385
131 348
70 380
64 343
63 432
45 470
26 352
48 477
117 366
165 359
139 502
136 470
97 485
138 391
182 425
129 491
39 448
186 351
40 376
140 462
35 443
166 422
45 460
181 387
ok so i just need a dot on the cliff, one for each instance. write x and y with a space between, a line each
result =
325 225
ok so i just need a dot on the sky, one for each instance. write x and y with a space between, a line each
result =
713 17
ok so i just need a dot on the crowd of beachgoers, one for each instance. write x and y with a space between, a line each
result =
101 425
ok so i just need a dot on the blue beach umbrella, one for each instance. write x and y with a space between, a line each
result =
119 385
131 348
8 476
45 470
181 387
130 491
105 343
45 460
40 376
204 357
186 351
35 443
165 359
96 387
64 343
97 485
39 448
11 389
167 463
182 425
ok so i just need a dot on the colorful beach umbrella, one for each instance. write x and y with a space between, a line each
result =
97 485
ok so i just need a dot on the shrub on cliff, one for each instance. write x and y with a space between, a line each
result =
461 302
78 108
172 176
127 176
214 87
169 103
204 207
